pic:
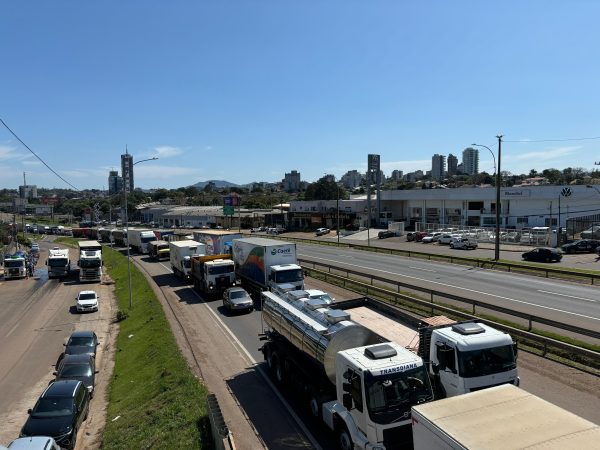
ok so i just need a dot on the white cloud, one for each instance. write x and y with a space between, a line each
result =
7 152
166 151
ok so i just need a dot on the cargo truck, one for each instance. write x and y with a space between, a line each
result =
460 357
119 237
217 241
212 274
159 250
267 265
138 240
15 266
180 253
58 262
362 389
500 418
90 261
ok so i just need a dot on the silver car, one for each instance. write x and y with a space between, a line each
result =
237 299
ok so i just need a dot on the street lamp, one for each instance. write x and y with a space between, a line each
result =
498 180
127 226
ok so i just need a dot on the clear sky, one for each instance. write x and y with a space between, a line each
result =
248 90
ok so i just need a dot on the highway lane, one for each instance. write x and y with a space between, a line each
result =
226 347
35 320
566 302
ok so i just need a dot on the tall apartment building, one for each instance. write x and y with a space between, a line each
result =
115 182
28 191
470 161
396 175
352 179
127 170
452 165
291 181
438 167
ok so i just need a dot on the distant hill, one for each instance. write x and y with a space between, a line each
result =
218 184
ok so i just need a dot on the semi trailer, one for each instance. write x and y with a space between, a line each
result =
217 241
90 261
58 262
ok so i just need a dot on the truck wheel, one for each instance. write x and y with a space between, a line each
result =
314 403
344 439
278 369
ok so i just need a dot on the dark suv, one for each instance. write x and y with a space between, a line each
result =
59 412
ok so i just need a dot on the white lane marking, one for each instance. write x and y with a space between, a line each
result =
422 270
570 296
283 401
11 330
469 290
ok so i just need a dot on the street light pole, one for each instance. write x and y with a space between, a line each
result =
498 182
338 213
127 226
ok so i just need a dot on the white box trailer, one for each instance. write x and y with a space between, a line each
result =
180 253
138 239
500 418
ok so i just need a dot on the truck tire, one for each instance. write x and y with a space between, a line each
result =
344 439
315 402
278 368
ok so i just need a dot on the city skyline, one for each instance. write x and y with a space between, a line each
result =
246 94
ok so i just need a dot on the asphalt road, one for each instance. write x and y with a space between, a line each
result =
36 318
571 303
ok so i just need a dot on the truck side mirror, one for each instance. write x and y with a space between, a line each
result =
347 401
346 387
435 368
515 349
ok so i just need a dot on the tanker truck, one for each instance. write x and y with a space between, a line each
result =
267 265
362 389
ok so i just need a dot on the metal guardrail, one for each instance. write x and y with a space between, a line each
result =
392 309
476 262
433 293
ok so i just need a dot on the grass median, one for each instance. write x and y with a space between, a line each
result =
154 399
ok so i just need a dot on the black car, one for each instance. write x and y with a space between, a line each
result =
78 367
543 254
386 234
82 342
583 246
59 412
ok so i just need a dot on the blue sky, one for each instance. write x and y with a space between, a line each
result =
248 90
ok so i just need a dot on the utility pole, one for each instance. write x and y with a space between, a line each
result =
498 185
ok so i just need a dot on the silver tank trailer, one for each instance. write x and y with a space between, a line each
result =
318 332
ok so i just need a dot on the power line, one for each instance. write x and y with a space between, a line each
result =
525 141
34 154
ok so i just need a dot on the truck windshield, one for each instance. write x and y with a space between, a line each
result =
288 276
220 270
89 263
390 397
57 262
487 361
13 263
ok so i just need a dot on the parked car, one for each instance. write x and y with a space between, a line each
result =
591 233
87 301
316 293
322 231
543 254
59 412
416 236
35 247
463 243
236 299
433 237
34 443
78 367
386 234
581 246
82 342
446 238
